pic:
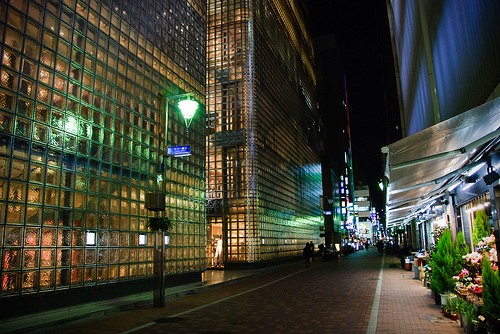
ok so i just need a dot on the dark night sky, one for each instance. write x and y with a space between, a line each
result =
361 30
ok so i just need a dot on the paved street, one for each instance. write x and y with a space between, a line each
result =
360 293
329 297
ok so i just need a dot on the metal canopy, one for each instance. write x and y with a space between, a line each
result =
422 166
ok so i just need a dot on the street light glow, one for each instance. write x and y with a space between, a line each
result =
188 108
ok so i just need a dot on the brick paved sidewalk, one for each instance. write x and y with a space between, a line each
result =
406 306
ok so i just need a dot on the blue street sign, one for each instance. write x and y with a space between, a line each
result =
328 213
179 151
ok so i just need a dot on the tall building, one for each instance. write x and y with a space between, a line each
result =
448 76
263 153
363 212
337 158
80 111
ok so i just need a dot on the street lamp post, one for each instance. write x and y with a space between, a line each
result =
156 201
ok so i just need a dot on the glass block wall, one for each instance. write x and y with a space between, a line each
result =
263 160
79 86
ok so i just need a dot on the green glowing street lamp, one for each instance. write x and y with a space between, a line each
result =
156 201
188 108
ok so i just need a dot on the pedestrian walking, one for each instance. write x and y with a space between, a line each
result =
306 253
311 245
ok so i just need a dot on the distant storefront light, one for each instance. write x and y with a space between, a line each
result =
478 207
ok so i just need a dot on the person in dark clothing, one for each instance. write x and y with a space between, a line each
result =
306 253
321 249
380 246
311 244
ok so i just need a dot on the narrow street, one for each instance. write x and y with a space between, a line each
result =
356 294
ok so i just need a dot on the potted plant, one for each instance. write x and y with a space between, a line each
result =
464 279
159 224
444 266
454 306
445 308
468 317
472 262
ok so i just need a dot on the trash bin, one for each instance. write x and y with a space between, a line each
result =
408 263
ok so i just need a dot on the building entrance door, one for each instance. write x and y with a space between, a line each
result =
214 245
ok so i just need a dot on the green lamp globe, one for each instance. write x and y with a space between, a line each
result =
188 108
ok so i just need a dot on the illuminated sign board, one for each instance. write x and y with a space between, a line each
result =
179 151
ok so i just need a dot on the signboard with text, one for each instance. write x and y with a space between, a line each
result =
179 151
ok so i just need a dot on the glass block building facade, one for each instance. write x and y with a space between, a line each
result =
263 160
79 123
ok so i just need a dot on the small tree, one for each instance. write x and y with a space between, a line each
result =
444 265
482 227
491 297
462 248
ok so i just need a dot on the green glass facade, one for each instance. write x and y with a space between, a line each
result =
263 156
79 125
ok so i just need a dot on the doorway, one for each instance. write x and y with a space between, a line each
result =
214 245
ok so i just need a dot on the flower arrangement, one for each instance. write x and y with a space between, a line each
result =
476 289
472 263
464 279
493 258
488 248
485 289
487 243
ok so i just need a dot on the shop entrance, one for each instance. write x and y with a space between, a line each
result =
214 245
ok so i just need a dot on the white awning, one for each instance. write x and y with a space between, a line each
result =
422 166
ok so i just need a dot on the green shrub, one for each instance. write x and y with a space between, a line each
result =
462 248
491 297
468 312
445 264
455 305
482 227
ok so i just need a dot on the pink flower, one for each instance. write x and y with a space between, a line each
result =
473 257
464 272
